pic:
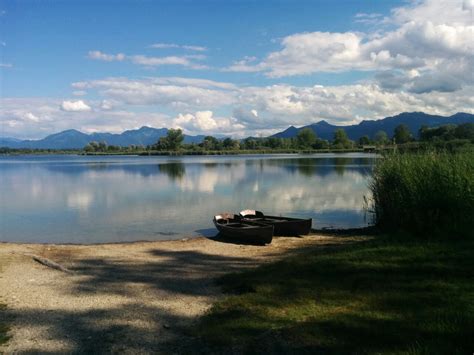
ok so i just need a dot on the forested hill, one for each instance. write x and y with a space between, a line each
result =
414 121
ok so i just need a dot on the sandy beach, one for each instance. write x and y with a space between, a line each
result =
127 298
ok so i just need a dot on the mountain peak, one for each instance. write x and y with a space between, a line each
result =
146 128
72 130
69 132
321 123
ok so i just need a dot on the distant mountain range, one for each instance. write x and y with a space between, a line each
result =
414 120
73 139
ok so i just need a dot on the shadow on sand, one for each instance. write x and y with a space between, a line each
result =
148 301
136 303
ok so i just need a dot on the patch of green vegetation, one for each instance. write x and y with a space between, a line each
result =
427 194
381 296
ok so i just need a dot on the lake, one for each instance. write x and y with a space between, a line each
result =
98 199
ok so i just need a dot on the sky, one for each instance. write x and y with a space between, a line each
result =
237 68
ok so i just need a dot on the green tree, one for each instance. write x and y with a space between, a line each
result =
381 137
230 144
402 134
102 146
250 143
113 148
321 144
465 131
274 143
306 138
172 141
423 133
175 138
444 132
364 140
341 140
89 148
95 146
210 143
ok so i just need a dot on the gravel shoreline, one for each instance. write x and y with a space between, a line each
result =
124 297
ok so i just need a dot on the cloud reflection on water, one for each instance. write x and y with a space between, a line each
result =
146 199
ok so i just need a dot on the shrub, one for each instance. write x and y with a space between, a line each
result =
426 194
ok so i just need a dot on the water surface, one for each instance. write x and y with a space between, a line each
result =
87 199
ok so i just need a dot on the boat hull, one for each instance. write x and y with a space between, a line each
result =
282 225
246 232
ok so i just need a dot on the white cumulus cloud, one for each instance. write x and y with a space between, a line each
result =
177 93
431 36
75 106
204 121
30 116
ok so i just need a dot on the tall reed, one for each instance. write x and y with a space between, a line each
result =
426 194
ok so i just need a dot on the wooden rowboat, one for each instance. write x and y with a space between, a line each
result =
233 227
281 225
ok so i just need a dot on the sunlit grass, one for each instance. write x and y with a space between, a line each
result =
426 194
376 297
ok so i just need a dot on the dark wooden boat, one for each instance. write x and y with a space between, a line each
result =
233 227
281 225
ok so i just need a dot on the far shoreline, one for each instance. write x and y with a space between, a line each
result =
22 152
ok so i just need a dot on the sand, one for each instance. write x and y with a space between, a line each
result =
127 298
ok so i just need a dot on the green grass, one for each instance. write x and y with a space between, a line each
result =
381 296
426 194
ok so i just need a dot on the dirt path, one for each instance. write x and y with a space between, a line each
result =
127 298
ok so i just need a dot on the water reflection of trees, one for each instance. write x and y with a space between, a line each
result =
311 166
340 164
307 166
174 170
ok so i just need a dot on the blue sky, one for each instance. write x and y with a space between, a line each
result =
233 67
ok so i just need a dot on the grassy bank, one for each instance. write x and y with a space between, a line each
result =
381 296
427 194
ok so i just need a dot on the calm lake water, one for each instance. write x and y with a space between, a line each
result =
77 199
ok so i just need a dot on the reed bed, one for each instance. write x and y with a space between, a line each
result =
429 194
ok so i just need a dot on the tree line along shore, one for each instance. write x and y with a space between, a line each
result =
449 137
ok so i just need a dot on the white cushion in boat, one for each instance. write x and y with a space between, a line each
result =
248 213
